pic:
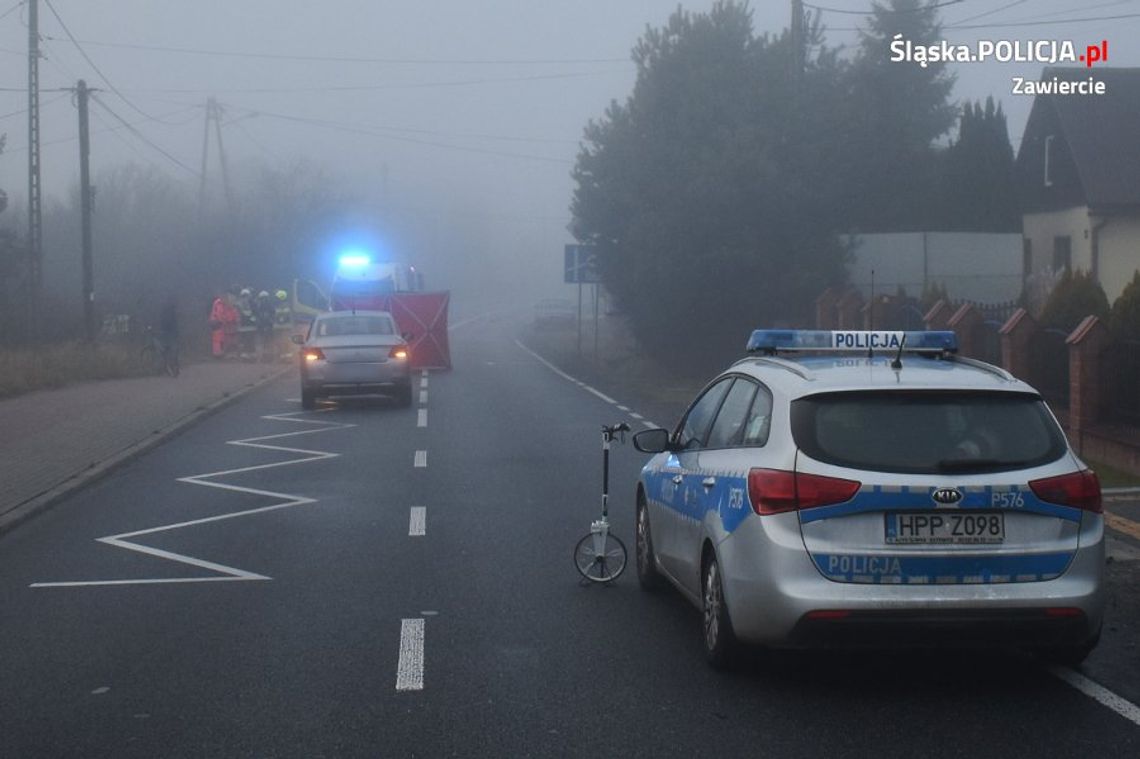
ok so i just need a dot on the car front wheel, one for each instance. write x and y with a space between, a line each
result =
308 399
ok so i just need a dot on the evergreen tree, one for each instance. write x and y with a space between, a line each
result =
978 185
707 191
896 112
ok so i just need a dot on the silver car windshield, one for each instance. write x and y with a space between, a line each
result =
354 325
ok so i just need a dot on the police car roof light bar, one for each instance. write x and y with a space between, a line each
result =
770 341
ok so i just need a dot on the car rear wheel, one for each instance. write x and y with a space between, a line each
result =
720 641
647 575
308 399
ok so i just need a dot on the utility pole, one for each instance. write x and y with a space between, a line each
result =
213 115
85 199
35 217
799 38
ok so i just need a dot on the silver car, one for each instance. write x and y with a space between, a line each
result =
906 497
352 353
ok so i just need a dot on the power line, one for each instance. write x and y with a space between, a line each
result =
11 10
353 59
374 87
110 85
372 132
141 137
989 13
882 10
1014 24
25 110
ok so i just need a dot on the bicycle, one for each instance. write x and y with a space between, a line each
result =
159 354
600 556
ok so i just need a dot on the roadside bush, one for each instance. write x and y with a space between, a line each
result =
1075 297
1125 316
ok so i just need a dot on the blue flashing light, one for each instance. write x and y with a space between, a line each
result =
772 340
354 260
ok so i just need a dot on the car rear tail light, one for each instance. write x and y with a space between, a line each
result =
398 352
774 491
313 354
1081 490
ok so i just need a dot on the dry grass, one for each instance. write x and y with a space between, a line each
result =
25 370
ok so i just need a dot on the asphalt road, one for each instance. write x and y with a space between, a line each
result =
293 628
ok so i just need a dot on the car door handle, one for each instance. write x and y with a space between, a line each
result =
678 479
709 482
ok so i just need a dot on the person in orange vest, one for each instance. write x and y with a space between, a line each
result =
223 325
217 326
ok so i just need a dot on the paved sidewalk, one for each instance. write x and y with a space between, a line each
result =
54 439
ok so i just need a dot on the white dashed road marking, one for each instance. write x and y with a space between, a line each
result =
423 383
417 521
421 420
410 667
423 397
100 691
1099 693
421 459
224 573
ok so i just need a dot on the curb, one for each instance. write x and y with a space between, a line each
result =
36 504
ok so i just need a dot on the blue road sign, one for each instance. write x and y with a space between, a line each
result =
580 265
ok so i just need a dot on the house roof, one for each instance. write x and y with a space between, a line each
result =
1103 133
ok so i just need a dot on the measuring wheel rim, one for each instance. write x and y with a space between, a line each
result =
604 567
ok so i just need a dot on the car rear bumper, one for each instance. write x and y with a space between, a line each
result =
775 594
360 378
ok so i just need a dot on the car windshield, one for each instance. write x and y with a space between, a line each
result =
340 326
927 432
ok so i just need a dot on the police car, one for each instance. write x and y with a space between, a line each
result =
873 489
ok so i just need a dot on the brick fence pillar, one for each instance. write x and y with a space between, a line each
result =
1087 344
880 313
967 321
848 310
936 317
826 316
1016 344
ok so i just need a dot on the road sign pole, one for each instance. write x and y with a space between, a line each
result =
579 320
595 322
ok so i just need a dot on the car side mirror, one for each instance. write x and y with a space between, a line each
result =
297 339
408 336
652 441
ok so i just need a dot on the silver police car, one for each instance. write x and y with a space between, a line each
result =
873 489
352 353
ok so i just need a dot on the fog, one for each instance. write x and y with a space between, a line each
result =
453 126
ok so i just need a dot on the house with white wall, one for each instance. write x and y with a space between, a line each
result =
1078 170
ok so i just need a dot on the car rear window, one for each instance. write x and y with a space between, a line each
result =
921 432
355 325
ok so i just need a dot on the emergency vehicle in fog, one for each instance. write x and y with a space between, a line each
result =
362 284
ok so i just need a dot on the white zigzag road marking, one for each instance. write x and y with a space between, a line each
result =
225 574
